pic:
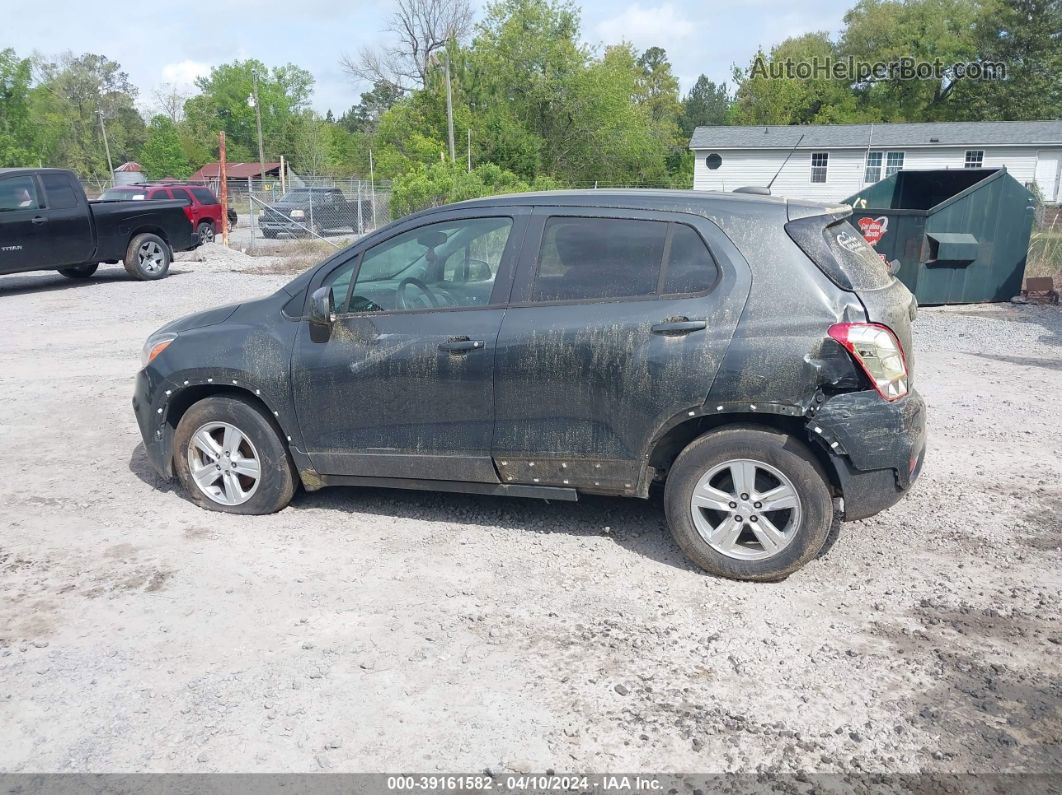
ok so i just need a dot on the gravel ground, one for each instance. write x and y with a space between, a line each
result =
364 630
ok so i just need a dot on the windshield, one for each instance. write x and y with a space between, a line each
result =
123 194
304 194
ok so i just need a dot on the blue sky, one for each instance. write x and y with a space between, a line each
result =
159 42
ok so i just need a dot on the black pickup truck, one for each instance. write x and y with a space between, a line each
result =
46 223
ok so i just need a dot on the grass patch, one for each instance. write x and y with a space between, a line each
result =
1045 252
293 257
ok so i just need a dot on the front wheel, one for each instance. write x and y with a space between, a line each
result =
229 456
80 271
748 504
148 257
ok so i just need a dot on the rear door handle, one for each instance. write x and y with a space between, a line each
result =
38 220
460 345
679 325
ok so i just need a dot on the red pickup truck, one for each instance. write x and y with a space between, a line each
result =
203 208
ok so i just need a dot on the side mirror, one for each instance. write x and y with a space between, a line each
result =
322 311
893 266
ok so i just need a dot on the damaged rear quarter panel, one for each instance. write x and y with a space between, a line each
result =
776 353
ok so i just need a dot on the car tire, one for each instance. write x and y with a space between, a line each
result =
80 271
206 232
721 538
148 257
233 489
269 234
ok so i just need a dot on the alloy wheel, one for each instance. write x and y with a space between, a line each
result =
151 257
746 509
223 463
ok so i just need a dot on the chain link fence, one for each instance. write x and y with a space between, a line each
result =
321 207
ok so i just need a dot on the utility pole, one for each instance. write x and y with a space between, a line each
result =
449 110
224 190
258 122
107 146
372 189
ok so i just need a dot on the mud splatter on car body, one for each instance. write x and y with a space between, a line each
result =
565 396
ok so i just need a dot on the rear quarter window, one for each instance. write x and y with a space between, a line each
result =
204 195
840 252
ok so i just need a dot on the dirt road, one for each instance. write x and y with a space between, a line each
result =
367 630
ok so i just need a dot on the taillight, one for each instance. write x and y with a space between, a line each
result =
878 352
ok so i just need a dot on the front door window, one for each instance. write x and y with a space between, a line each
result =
448 264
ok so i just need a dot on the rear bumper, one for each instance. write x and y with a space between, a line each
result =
877 447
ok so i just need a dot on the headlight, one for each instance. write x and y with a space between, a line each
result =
155 345
261 214
298 214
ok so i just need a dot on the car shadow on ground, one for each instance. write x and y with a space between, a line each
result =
636 525
48 281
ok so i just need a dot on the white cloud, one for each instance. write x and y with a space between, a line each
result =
183 73
651 26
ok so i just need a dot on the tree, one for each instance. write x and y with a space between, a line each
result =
171 101
660 88
1026 37
924 30
422 28
73 93
16 131
445 182
162 155
225 104
365 116
705 105
764 98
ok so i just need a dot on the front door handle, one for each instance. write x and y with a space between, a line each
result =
460 345
38 220
679 325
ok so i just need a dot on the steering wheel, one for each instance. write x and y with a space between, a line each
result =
411 281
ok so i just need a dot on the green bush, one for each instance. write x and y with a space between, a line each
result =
444 182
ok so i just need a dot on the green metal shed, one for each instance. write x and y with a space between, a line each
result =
961 235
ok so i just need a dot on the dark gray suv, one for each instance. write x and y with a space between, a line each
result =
751 355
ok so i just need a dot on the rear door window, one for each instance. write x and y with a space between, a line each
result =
598 258
690 265
205 195
58 191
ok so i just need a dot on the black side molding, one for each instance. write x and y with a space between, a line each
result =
459 486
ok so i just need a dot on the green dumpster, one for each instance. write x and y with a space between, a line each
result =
961 235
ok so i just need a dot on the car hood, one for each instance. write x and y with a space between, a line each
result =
209 317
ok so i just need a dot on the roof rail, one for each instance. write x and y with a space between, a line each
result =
758 190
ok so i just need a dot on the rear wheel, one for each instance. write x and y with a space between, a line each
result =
230 457
748 504
206 232
80 271
148 257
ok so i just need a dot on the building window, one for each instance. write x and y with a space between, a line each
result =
713 161
975 158
819 162
873 169
893 163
